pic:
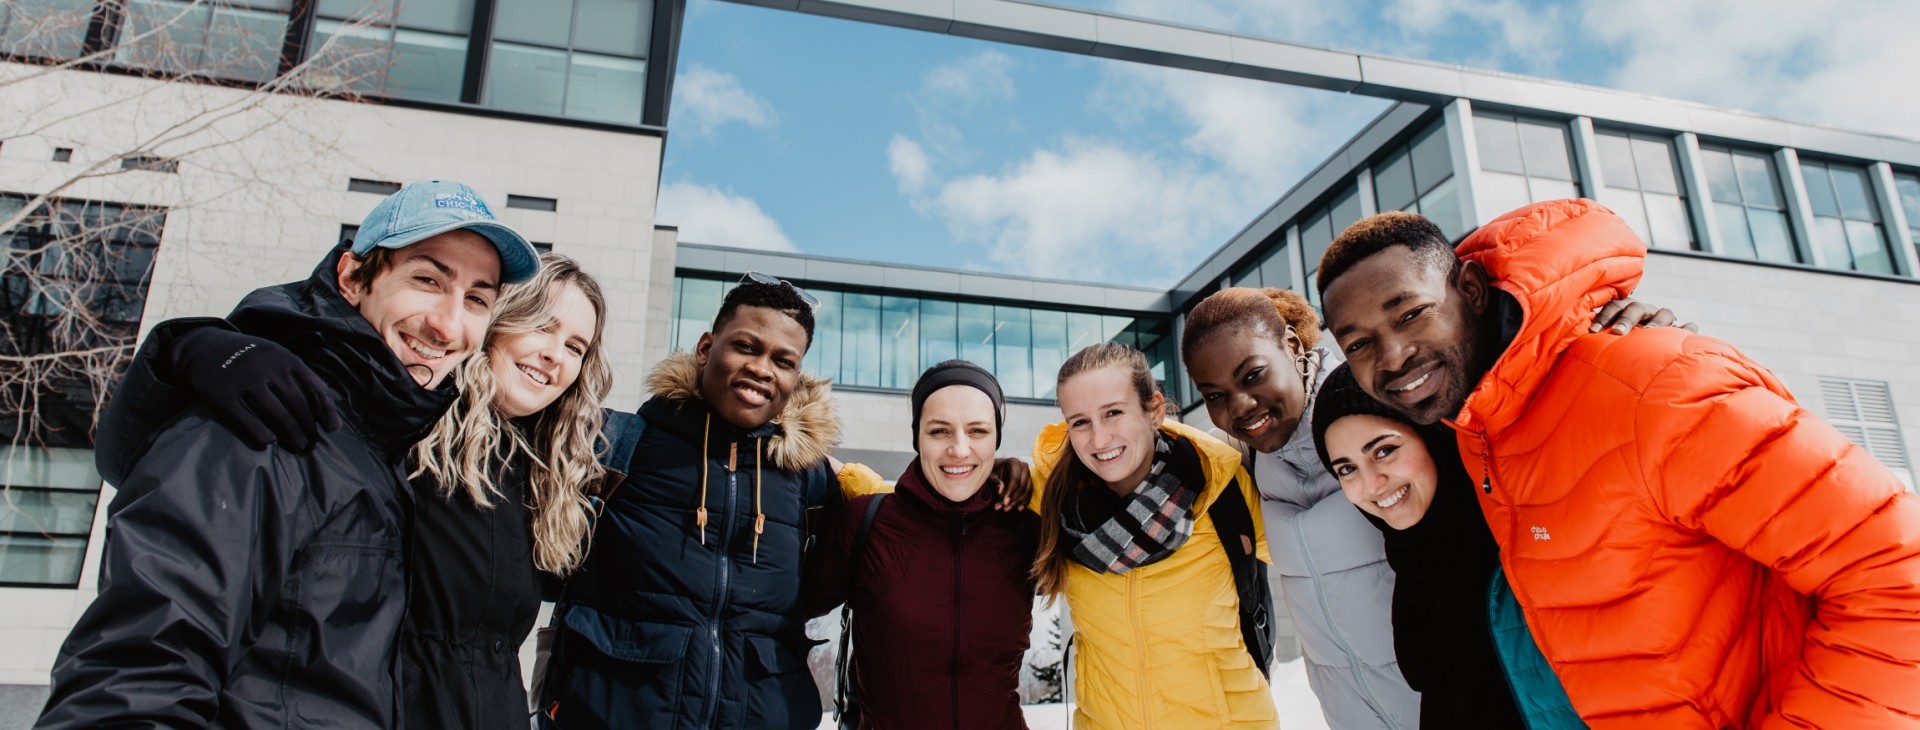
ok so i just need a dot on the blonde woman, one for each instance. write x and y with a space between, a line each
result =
500 491
1128 535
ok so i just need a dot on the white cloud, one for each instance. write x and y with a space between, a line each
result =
981 77
1120 210
1852 66
1091 210
909 164
705 99
706 214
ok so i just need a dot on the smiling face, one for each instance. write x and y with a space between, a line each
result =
532 369
1383 467
1111 430
749 368
956 441
1251 384
432 303
1410 334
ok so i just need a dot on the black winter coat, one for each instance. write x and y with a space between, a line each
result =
670 626
244 588
942 605
1443 567
473 598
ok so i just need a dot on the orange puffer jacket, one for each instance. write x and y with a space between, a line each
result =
1692 549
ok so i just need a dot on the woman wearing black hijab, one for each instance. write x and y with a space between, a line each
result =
1458 632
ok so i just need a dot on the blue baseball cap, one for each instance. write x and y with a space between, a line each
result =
423 210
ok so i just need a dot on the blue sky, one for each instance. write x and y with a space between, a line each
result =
796 132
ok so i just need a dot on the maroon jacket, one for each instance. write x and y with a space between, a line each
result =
942 606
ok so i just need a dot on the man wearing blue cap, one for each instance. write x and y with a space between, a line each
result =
264 587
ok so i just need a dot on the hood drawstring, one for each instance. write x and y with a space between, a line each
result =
759 517
700 514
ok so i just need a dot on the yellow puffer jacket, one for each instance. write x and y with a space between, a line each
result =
1159 646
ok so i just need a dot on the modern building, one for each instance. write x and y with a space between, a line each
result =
1795 242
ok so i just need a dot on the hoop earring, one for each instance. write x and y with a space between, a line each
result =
1308 367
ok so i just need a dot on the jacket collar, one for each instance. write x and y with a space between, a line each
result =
806 432
378 397
1560 260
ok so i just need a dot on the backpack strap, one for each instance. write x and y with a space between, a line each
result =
844 700
622 430
1234 523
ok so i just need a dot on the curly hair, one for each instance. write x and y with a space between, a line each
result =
1377 233
1239 308
469 443
783 298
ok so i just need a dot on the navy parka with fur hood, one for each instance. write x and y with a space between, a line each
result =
671 626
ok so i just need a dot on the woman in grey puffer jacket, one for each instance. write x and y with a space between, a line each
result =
1251 353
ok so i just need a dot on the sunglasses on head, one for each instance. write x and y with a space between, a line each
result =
759 278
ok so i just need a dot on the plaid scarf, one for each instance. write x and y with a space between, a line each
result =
1148 525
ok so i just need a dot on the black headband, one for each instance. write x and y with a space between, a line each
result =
958 372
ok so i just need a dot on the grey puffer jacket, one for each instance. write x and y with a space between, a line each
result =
1336 583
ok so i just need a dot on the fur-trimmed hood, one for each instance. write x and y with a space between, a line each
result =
809 430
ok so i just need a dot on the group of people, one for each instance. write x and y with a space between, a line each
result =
343 504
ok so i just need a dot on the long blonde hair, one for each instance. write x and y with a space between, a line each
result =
1050 565
466 447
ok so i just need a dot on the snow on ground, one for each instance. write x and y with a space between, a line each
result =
1299 710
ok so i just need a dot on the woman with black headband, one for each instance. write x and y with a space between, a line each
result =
936 578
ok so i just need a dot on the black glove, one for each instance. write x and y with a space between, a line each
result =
255 386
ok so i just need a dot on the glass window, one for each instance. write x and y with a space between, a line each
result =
1248 275
1846 222
1082 330
1115 328
1642 175
1907 188
225 40
1344 212
1747 204
860 351
585 59
1393 183
1499 143
1432 162
527 79
413 49
1533 166
47 516
1417 178
45 28
976 334
823 358
75 285
939 338
1274 268
1012 343
899 341
1049 349
615 27
699 302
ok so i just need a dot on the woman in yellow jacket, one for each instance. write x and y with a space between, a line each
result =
1125 535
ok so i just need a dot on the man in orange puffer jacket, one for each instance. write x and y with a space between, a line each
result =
1692 549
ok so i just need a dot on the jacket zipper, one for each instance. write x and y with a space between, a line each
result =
720 596
1326 609
1139 648
960 532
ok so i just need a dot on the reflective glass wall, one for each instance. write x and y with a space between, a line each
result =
569 59
884 340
